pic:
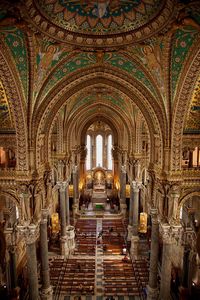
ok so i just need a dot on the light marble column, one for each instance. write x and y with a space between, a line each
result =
30 234
63 237
46 290
135 206
130 221
153 273
67 205
75 185
166 263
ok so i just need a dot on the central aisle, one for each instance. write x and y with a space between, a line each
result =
95 270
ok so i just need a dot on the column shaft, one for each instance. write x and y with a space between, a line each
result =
135 210
131 206
13 268
32 271
63 212
44 255
67 207
153 273
123 187
166 266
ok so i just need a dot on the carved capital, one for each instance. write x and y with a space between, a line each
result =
30 233
154 215
44 215
62 185
165 231
176 232
136 186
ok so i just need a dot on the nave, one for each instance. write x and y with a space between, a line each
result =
100 265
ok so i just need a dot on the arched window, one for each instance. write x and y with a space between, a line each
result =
109 152
99 151
88 158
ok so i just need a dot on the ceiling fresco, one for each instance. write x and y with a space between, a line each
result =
193 119
15 39
5 116
100 16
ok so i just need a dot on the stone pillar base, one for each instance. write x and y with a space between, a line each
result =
152 294
134 246
47 294
64 246
123 208
70 232
130 232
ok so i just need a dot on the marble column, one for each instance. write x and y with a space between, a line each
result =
12 251
46 290
153 273
166 263
30 233
135 239
135 207
130 222
67 205
63 237
123 185
75 185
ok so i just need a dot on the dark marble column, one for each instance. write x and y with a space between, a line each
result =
30 233
123 185
46 290
153 274
166 263
13 267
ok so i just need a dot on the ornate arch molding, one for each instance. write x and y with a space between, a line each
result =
184 199
46 115
11 196
110 121
110 74
11 83
181 107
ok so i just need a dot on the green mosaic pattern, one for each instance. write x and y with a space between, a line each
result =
132 68
80 61
16 41
182 41
100 17
90 99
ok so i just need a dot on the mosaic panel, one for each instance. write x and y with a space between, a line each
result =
16 41
132 68
48 55
182 42
5 116
100 17
78 62
193 119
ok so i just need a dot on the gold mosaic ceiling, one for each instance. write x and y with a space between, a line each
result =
100 23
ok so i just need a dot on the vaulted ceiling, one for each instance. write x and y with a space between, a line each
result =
149 43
